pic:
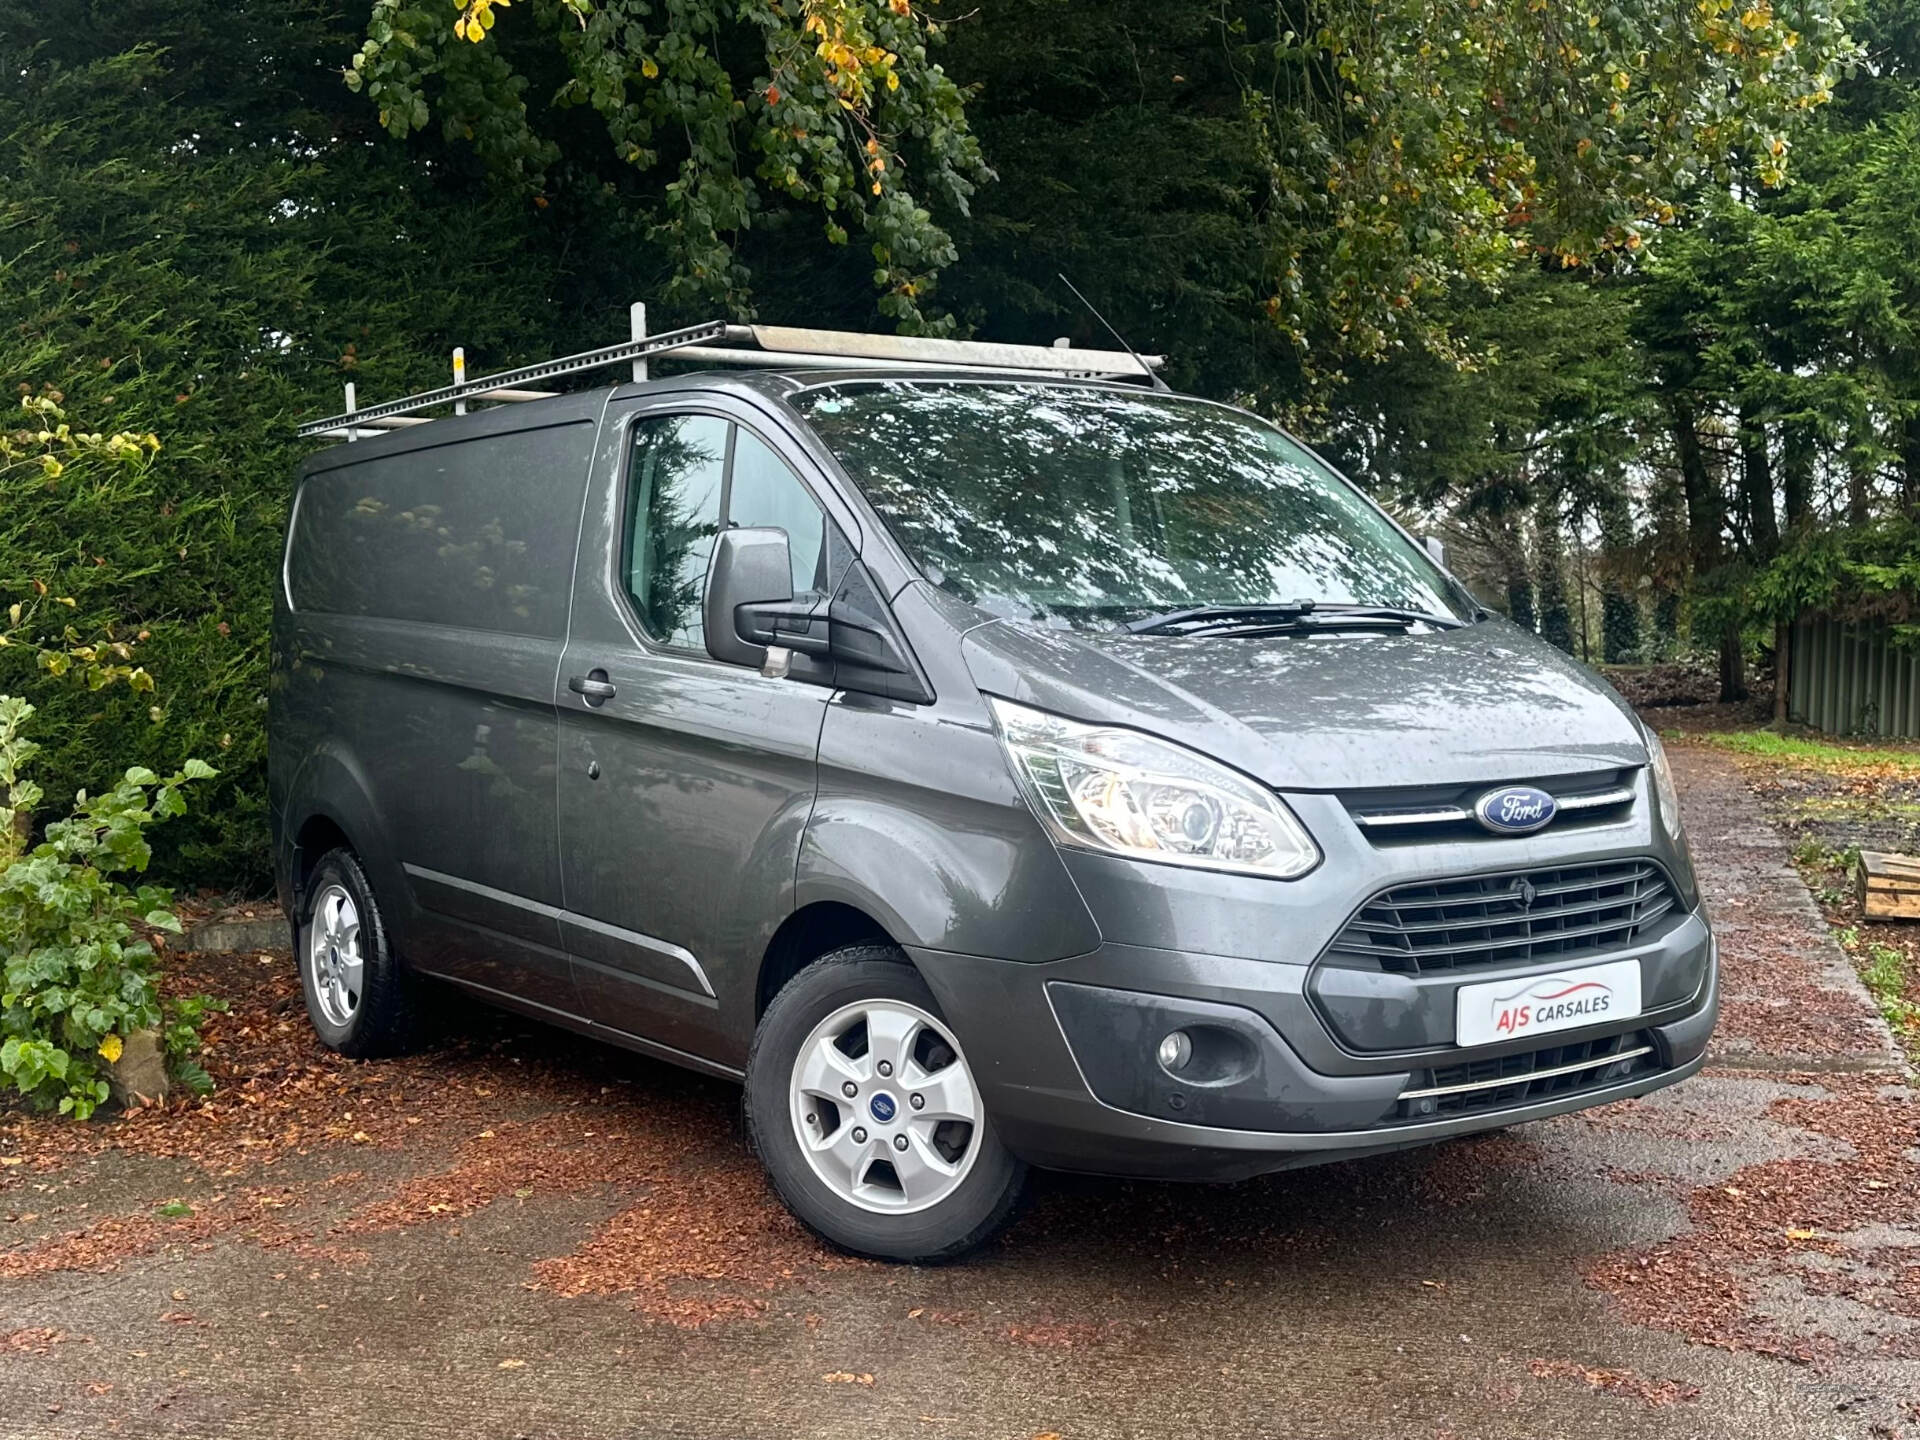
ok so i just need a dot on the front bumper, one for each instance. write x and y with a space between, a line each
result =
1064 1056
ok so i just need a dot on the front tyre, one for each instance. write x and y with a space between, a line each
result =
359 999
861 1105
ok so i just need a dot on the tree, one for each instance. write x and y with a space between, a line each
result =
1277 194
832 104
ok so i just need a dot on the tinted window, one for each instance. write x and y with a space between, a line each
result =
766 492
478 534
673 512
1088 507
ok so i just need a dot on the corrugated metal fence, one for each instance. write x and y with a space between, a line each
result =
1849 678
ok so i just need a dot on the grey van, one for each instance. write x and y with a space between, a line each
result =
987 769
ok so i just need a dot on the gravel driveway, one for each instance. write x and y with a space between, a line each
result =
525 1235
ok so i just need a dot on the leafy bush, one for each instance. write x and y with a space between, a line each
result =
79 976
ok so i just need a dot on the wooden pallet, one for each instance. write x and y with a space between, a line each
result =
1888 886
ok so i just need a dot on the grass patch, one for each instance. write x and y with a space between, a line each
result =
1836 756
1890 972
1890 980
1826 871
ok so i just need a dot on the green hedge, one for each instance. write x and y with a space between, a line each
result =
175 262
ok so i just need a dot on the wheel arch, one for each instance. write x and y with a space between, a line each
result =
331 805
810 932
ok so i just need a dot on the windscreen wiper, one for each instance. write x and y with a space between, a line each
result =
1209 617
1386 612
1300 616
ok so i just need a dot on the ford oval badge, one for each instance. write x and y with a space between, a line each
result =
1516 810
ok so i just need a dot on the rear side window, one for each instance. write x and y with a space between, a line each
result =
477 534
687 476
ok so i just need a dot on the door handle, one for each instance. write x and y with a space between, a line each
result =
592 687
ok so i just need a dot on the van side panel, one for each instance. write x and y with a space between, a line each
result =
428 587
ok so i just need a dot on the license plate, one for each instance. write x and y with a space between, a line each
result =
1541 1004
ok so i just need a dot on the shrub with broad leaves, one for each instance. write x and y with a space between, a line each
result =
77 972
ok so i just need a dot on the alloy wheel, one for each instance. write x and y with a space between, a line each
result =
334 960
884 1107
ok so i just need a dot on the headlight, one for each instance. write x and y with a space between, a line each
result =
1663 790
1098 787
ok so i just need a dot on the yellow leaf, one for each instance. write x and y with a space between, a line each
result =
10 1161
1802 1234
110 1049
649 69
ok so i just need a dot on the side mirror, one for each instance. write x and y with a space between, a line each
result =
1436 549
750 607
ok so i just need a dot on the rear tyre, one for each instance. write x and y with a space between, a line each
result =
860 1103
359 999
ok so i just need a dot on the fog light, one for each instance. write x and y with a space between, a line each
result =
1175 1051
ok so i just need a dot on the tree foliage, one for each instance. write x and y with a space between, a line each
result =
837 105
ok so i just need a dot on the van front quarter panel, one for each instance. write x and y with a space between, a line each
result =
918 824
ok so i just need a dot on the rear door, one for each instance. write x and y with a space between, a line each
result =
683 794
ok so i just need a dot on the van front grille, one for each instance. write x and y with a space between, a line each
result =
1530 1076
1430 814
1507 919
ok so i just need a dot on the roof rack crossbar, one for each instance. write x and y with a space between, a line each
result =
510 379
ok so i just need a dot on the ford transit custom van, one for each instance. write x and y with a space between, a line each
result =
986 769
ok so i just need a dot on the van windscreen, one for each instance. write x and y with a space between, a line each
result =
1091 507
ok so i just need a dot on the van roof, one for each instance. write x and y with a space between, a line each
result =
783 354
581 405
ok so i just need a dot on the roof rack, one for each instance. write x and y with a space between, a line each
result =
718 343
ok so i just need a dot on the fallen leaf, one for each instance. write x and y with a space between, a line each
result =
846 1377
11 1160
1802 1234
512 1364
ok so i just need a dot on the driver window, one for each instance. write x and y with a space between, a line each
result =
766 492
674 483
